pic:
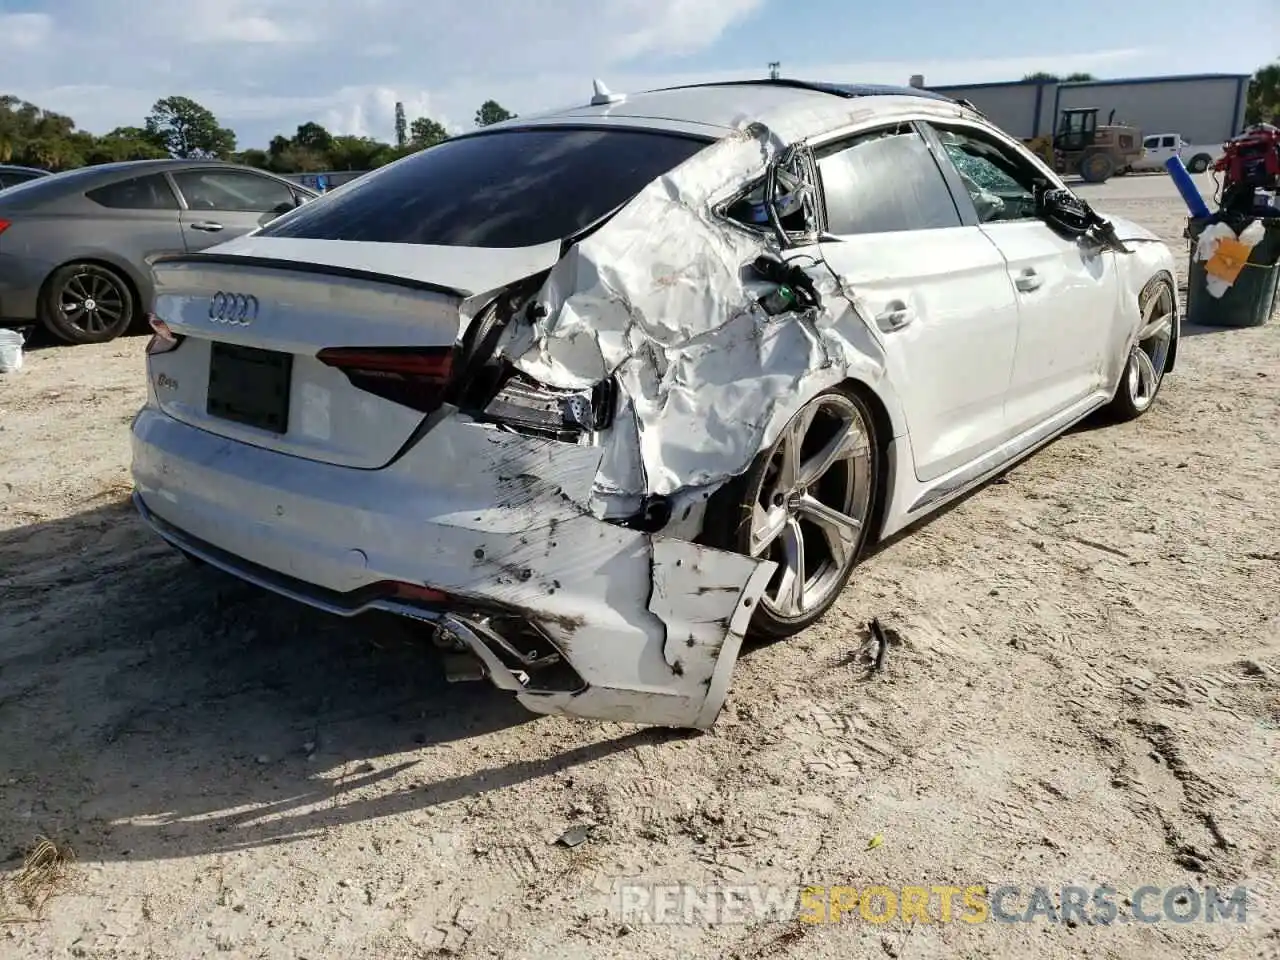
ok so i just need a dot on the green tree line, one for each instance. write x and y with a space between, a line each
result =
1045 77
181 127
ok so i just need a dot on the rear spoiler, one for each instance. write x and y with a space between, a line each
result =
302 266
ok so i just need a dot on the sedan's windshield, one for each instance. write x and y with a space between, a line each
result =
510 188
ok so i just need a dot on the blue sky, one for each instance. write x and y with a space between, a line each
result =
264 66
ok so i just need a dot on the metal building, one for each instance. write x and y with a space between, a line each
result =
1203 107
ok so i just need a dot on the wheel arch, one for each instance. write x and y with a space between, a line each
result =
889 424
123 269
883 417
1164 276
1197 158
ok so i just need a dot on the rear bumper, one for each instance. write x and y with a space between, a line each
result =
650 626
20 282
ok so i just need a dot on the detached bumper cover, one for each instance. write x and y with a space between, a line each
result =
652 625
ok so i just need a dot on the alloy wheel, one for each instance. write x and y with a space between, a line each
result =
92 301
1150 354
811 504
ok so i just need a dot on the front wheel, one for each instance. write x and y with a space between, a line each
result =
86 303
1149 357
806 504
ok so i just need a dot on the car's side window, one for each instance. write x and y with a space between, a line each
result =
1170 142
999 181
1151 143
13 179
137 193
232 191
884 181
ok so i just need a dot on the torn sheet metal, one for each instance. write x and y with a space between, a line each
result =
708 378
650 625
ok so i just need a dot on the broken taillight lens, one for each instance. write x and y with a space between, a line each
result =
523 403
162 338
416 377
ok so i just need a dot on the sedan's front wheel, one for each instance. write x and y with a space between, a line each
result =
1149 357
805 504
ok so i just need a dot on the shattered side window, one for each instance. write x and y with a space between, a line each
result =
793 201
1001 186
884 182
749 208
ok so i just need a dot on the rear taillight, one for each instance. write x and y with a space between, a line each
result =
416 377
162 338
4 225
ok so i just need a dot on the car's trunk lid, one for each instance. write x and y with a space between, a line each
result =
320 349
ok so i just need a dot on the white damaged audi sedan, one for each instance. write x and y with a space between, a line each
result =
598 393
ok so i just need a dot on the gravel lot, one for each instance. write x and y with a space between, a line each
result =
1086 691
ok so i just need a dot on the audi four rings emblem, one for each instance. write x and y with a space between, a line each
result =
240 309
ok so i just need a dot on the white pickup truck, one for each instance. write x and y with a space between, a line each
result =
1159 147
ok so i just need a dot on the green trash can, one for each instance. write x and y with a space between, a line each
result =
1249 301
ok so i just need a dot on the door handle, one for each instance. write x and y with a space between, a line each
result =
208 226
895 316
1028 280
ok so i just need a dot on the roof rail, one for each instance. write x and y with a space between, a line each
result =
846 90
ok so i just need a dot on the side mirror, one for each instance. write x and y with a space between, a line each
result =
282 208
1069 216
1063 210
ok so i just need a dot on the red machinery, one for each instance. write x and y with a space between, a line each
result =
1250 162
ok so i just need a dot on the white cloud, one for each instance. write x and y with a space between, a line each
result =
337 53
265 66
24 31
674 27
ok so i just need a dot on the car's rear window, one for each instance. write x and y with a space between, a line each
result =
511 188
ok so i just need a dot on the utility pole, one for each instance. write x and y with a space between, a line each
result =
775 68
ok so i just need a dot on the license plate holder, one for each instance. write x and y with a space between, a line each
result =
250 386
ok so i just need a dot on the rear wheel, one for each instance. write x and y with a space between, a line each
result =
1149 357
1199 163
1097 167
86 303
805 504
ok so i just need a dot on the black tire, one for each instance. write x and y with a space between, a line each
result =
110 304
1097 167
1140 381
852 480
1199 163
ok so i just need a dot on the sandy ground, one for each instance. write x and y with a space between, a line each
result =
1086 691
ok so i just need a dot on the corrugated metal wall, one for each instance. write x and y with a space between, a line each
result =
1203 109
1206 108
1013 107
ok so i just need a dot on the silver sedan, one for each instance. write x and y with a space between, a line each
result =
76 247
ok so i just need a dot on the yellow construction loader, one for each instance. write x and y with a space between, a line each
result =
1080 146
